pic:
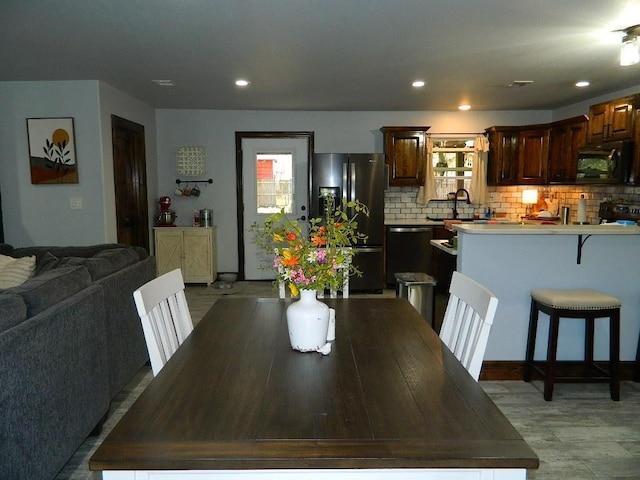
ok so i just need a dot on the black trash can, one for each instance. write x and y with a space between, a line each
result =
417 287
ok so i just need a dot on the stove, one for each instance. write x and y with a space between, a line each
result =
612 212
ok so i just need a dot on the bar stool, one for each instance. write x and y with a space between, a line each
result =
584 304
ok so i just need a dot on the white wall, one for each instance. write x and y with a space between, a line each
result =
114 102
41 214
334 132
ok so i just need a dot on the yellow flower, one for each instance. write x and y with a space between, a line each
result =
277 237
293 289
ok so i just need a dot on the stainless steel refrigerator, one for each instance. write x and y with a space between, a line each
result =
354 176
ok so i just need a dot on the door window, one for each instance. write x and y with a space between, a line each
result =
274 183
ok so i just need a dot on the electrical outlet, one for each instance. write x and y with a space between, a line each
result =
75 203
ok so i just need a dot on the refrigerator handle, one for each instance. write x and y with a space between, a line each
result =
352 185
345 181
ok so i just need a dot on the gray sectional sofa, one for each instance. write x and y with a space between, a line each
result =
70 339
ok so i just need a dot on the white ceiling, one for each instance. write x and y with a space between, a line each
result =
325 54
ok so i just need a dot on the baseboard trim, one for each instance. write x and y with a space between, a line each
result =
512 370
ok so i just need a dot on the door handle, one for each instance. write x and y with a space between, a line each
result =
303 218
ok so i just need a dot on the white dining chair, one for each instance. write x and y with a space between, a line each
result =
467 321
164 313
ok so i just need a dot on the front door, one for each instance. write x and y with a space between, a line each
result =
130 182
273 168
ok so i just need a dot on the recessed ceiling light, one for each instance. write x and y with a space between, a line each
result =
582 83
464 107
520 83
242 83
418 84
164 83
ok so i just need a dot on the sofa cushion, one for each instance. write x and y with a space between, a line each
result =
46 263
104 263
60 252
13 311
51 287
5 249
15 271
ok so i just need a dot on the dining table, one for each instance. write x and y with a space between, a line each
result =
390 400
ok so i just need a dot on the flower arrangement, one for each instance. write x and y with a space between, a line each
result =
317 261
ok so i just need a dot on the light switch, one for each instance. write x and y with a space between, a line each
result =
75 203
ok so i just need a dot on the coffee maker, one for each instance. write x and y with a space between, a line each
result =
167 216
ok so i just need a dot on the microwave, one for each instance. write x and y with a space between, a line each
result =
606 163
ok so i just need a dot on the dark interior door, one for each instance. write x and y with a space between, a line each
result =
130 179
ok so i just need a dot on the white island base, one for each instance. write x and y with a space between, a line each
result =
511 260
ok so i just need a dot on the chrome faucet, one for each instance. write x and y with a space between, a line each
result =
455 201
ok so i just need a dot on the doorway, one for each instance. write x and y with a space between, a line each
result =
264 160
130 182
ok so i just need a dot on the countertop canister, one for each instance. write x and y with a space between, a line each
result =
206 217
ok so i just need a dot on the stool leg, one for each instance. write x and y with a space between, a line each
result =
614 355
531 341
588 345
550 376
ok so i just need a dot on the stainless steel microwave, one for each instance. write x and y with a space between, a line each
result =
606 163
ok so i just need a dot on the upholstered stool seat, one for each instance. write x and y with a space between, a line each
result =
584 304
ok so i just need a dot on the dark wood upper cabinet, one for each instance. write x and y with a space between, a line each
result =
503 155
405 152
567 136
613 120
533 156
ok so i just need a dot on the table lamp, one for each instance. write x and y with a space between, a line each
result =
529 198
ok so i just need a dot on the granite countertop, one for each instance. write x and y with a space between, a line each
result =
530 229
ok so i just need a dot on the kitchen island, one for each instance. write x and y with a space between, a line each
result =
513 259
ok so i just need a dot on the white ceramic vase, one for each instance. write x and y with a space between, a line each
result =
308 322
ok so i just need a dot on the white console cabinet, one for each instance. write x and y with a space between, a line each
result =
192 249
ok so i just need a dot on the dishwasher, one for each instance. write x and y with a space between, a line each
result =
408 249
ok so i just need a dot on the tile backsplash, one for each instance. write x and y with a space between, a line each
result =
506 202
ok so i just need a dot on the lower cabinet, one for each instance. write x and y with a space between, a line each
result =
191 249
444 264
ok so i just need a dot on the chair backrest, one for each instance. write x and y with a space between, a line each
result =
467 321
164 313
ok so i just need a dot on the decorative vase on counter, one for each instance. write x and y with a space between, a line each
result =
308 322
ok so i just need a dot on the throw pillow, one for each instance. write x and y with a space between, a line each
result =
5 260
17 271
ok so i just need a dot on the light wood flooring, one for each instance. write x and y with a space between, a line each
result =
580 435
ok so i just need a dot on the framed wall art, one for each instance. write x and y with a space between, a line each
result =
52 150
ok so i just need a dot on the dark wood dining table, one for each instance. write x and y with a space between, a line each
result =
235 401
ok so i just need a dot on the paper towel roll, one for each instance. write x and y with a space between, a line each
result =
582 210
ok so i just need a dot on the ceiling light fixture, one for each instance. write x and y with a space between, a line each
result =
464 107
582 84
630 48
242 83
418 84
520 83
